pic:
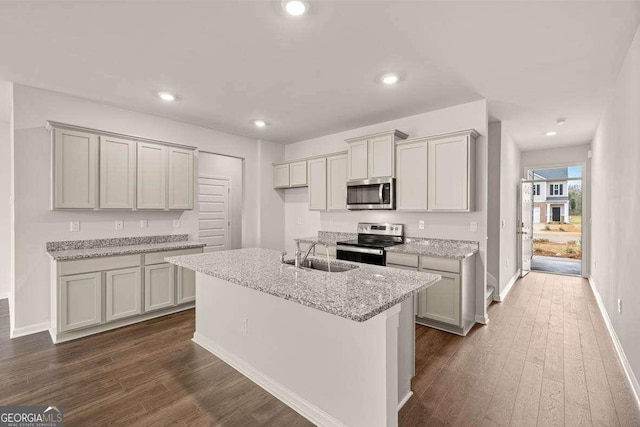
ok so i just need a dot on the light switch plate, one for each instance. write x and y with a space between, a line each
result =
473 227
421 225
74 226
144 223
176 223
119 224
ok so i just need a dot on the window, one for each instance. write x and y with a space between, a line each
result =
555 189
536 189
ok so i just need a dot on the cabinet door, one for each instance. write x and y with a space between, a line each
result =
80 301
75 169
411 171
159 286
123 292
180 178
381 156
337 183
442 300
152 177
318 184
298 172
281 176
186 285
117 173
357 160
449 174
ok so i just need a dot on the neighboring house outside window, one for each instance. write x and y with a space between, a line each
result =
555 189
550 200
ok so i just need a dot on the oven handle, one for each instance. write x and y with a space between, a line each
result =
360 250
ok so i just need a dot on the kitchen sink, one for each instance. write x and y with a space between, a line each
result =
331 267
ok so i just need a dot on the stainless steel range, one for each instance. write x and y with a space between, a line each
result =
372 239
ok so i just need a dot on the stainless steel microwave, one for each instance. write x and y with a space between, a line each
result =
375 193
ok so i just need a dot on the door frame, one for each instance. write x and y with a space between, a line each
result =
229 204
586 206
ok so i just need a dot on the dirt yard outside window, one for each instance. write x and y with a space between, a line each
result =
559 240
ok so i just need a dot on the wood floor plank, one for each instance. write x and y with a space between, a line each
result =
504 396
526 406
603 410
551 412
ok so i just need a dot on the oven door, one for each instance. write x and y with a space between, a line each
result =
359 254
371 194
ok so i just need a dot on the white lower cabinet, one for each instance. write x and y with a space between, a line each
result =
80 301
186 284
441 301
159 285
123 290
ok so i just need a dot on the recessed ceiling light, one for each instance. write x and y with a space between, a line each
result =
390 79
295 7
259 123
561 121
551 133
166 96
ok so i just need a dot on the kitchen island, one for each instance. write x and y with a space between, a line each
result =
325 343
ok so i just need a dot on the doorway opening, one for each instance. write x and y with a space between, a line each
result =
552 232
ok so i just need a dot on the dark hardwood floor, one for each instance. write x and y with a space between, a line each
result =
544 359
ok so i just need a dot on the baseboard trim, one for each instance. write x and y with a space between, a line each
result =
631 378
282 393
405 400
482 319
501 297
28 330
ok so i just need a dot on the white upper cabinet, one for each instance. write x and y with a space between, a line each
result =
152 176
180 178
117 173
357 159
75 169
451 171
281 178
373 156
95 169
298 171
318 184
337 182
411 171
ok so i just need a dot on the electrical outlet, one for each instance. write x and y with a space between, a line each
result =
245 326
619 305
144 223
473 227
508 262
74 226
176 223
503 223
421 225
119 224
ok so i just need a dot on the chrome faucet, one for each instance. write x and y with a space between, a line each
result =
282 255
298 254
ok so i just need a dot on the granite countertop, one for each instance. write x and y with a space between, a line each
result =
328 237
82 249
459 249
358 294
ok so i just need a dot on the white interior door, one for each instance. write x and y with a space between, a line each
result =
526 227
214 216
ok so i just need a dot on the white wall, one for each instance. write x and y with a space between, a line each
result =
6 90
510 172
493 208
615 205
227 167
35 224
300 222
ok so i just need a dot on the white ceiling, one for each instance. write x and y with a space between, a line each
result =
233 61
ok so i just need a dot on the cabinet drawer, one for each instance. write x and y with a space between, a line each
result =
402 267
440 264
66 268
158 257
408 260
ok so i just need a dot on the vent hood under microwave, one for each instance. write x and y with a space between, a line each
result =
369 194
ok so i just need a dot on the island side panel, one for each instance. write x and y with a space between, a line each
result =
332 370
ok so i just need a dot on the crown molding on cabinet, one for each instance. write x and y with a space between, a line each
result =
50 124
396 133
474 133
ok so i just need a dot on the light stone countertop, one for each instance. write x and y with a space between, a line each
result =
358 294
458 249
83 249
328 237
